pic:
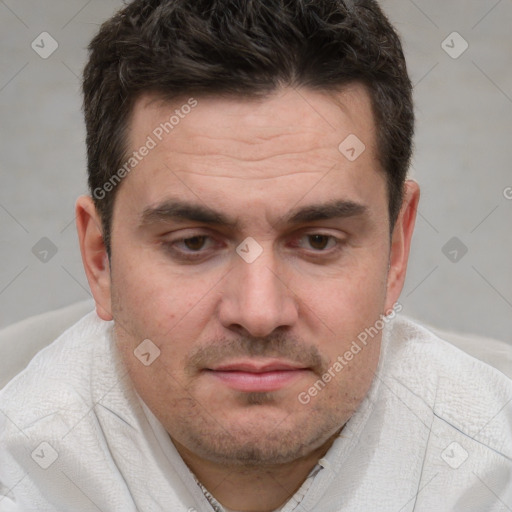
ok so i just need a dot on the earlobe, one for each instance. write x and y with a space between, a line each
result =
401 243
94 255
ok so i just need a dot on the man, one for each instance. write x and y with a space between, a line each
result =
246 243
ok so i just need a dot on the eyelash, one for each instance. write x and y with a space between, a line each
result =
194 256
185 255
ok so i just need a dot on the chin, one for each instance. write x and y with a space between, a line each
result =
257 437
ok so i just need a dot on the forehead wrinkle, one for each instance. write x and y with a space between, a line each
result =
263 151
250 178
248 169
275 154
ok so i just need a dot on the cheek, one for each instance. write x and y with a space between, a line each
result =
163 306
144 290
345 309
351 298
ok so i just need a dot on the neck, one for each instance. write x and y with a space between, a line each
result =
252 488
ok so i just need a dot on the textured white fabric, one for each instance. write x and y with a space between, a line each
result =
21 341
430 407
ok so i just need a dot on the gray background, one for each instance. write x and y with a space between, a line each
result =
462 160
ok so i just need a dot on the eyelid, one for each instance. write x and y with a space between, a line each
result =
186 233
216 242
339 239
172 243
209 239
314 231
330 237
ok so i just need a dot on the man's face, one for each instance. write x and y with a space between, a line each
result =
244 333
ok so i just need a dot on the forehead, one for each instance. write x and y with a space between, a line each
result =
287 142
255 126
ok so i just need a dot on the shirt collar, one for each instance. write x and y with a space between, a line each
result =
291 505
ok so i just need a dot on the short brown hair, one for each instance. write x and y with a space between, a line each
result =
245 48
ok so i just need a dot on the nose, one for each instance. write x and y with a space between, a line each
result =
256 299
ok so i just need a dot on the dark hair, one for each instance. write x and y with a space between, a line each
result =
243 48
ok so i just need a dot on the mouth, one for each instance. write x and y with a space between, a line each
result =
257 376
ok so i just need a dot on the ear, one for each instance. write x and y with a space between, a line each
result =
401 243
94 255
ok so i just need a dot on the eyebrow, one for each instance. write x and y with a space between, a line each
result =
184 211
333 210
177 210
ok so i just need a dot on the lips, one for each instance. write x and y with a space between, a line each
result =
255 367
257 376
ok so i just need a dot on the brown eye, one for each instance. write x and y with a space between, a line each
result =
319 242
195 243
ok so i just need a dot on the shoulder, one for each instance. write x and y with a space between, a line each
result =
464 393
57 380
